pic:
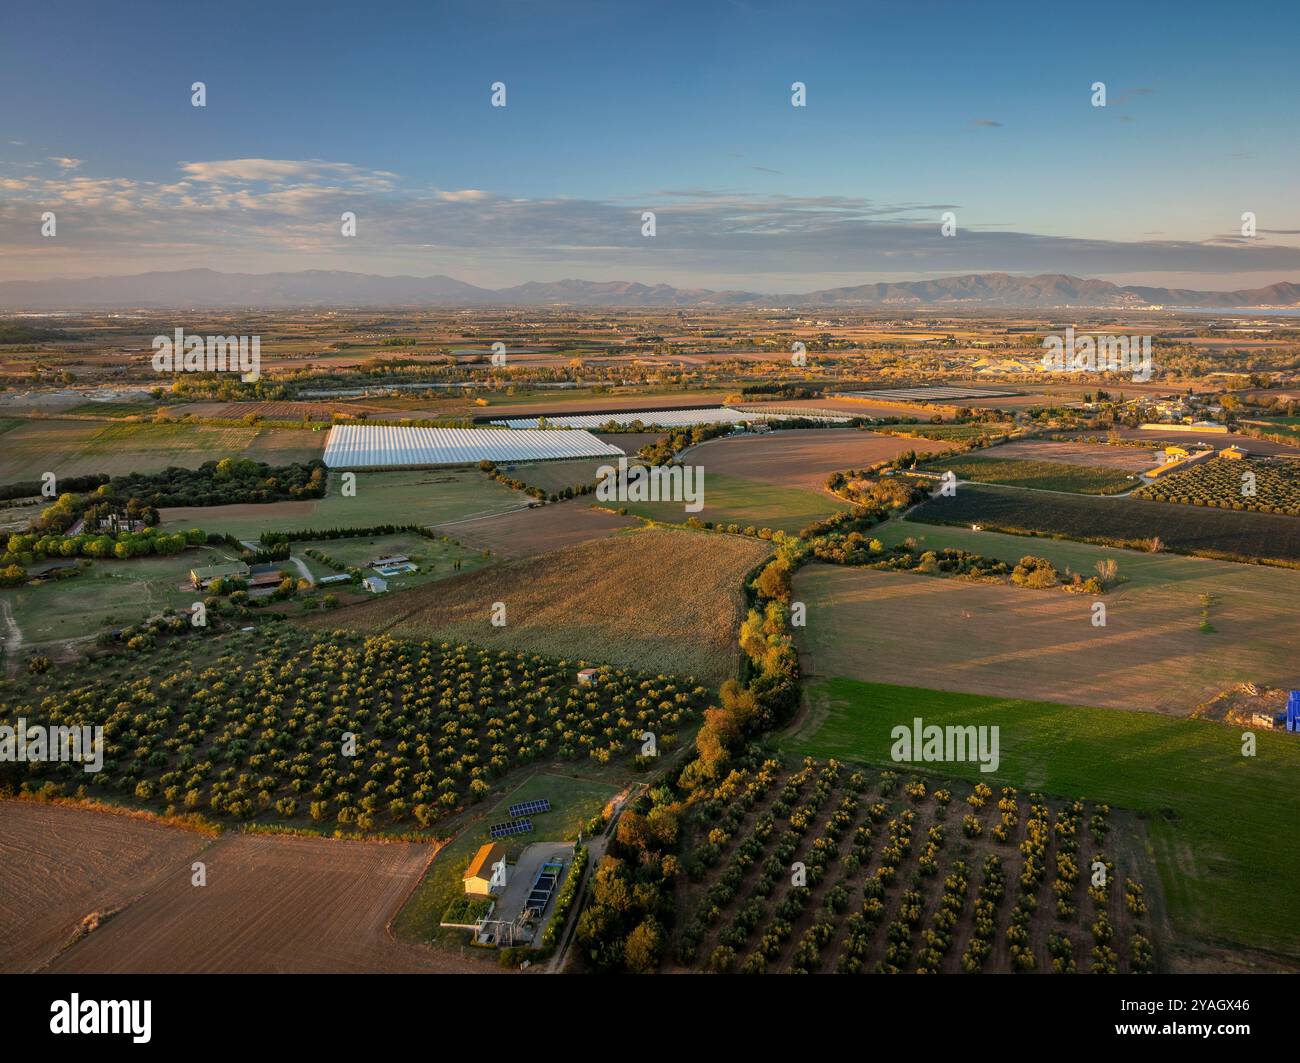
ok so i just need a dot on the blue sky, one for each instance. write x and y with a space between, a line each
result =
681 108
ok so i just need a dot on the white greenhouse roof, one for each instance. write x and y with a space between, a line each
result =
371 446
667 418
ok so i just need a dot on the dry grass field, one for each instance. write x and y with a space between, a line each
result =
1129 459
59 864
948 634
523 532
802 458
272 904
607 600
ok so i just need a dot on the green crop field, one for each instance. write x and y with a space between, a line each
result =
733 500
77 448
1188 529
1222 825
413 496
574 803
108 594
1041 475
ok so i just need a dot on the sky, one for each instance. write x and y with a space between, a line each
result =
619 107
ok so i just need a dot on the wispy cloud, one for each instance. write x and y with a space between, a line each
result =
247 212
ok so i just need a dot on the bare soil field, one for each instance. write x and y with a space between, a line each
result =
801 458
272 904
59 864
524 532
1130 459
949 634
603 601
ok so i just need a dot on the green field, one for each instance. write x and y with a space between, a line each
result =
108 594
77 448
733 500
414 496
574 802
1222 826
1041 475
436 557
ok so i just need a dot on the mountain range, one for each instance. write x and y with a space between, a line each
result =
193 288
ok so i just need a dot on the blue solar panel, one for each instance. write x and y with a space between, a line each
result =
505 830
528 808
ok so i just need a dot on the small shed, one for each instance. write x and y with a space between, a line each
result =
1233 453
375 584
587 677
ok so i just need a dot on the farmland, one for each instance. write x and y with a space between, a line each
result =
1039 475
1214 817
1129 459
62 864
272 905
801 458
599 601
521 532
1129 521
747 503
1152 654
424 496
77 448
904 874
1274 486
236 726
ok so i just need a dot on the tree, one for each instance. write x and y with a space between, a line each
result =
642 948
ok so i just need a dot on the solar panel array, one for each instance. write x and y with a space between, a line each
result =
506 830
528 808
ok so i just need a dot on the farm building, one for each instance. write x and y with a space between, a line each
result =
666 418
203 576
478 876
1233 453
1176 453
587 677
382 446
375 584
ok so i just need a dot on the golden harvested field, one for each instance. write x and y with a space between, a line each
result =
949 634
58 864
272 904
657 600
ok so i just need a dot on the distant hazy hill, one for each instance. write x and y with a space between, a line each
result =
207 288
